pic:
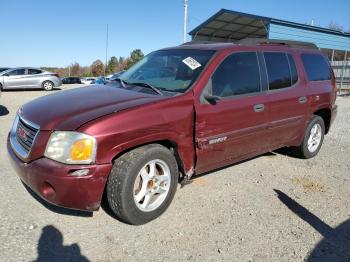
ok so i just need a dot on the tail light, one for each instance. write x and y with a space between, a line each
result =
334 87
55 75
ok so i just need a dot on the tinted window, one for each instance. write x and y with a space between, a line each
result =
17 72
34 71
3 69
238 74
293 69
316 67
277 70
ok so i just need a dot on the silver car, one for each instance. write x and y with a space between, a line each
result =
27 77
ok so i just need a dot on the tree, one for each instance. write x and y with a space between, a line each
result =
75 69
112 65
135 56
334 26
97 68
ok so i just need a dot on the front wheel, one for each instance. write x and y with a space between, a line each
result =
142 184
313 138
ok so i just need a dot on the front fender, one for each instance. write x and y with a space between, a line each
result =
168 120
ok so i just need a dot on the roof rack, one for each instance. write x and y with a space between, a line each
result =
205 42
265 41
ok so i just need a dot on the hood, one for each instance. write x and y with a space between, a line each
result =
68 110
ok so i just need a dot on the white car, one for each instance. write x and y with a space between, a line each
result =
88 80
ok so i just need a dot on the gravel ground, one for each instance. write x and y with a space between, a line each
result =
271 208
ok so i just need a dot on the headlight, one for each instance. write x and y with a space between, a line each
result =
71 147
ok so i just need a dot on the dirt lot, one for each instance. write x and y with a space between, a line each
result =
271 208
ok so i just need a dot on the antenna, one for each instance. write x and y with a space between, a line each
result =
106 50
185 21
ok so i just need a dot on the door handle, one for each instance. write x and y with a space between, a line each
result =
259 108
302 99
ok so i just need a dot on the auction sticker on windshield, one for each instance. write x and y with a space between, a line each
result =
191 63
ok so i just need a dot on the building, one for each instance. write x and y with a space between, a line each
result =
230 26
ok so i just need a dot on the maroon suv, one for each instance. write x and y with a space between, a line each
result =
178 112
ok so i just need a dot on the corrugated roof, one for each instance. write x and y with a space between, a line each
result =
228 25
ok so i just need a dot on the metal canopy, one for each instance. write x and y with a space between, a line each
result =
228 26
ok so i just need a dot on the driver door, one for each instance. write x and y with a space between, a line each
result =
234 127
16 79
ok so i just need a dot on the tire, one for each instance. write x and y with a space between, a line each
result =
130 179
306 150
47 85
1 89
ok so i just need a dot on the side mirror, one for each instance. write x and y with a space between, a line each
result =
211 99
5 75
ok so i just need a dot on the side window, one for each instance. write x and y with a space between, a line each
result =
17 72
277 70
32 71
316 67
238 74
293 69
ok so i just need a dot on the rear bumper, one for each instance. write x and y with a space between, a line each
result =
58 82
52 181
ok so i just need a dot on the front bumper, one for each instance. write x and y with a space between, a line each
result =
52 181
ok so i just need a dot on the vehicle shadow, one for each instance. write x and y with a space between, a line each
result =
335 245
269 154
57 209
3 111
51 248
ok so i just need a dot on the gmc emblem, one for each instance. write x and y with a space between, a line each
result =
22 134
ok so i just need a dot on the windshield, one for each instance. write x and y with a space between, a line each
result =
170 70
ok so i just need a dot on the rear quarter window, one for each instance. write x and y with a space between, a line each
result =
316 67
278 70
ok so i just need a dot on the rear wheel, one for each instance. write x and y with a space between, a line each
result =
142 184
313 138
47 85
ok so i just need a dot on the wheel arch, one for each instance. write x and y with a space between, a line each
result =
325 114
168 143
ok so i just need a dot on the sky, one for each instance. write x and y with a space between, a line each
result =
60 32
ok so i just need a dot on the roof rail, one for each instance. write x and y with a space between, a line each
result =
205 42
265 41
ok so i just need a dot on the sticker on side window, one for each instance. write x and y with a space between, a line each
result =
191 63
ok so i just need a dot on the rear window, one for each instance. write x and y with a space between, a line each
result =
316 67
32 71
278 71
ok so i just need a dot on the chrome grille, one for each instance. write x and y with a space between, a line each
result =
25 134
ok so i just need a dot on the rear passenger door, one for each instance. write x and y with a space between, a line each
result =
287 99
33 78
234 126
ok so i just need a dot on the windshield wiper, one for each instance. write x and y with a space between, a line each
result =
148 86
121 81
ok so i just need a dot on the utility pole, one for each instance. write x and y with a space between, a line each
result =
106 50
185 21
